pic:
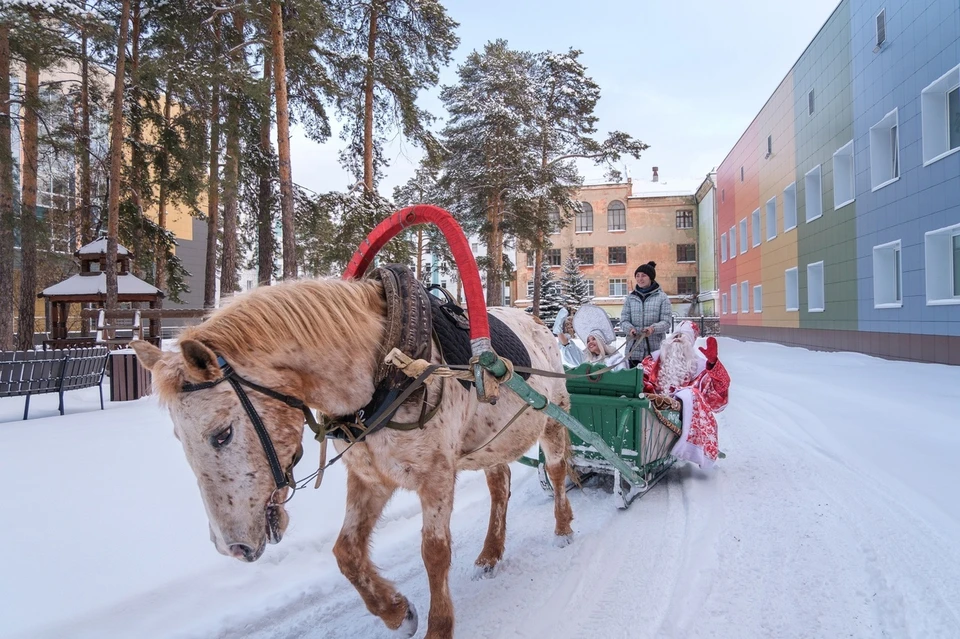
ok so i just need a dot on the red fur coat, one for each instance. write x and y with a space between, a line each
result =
702 395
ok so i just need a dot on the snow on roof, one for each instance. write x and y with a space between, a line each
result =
99 246
97 285
665 188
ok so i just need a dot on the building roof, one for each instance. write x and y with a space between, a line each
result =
665 188
97 285
99 246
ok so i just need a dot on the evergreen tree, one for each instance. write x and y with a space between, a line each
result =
553 297
563 124
488 167
575 292
390 51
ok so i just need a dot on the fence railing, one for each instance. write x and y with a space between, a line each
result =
708 325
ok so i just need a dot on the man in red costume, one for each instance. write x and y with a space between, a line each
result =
697 379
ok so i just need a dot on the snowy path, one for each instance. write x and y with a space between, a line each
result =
832 516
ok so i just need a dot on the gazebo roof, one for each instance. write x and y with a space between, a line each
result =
99 247
95 286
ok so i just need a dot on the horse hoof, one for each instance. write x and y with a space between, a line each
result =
483 571
408 627
562 541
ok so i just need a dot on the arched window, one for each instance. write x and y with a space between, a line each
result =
585 218
616 216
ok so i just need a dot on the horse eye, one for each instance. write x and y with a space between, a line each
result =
222 437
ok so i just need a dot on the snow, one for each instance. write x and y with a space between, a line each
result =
99 247
97 284
834 514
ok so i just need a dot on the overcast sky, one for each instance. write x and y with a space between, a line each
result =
684 76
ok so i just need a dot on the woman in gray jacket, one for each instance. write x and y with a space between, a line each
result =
646 314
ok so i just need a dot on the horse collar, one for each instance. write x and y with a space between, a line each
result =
280 477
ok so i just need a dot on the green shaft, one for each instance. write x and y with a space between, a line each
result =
518 385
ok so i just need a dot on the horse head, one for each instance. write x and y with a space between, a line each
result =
239 492
316 341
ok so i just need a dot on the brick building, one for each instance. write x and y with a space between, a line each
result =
620 227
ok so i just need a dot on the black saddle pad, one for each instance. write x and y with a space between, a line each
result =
452 330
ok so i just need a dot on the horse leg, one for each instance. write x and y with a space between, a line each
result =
436 499
365 503
556 448
498 481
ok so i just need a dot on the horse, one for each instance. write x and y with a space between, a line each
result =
320 341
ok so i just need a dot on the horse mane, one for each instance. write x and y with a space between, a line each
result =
325 313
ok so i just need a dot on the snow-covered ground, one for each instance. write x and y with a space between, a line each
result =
834 515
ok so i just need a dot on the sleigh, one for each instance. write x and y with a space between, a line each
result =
615 430
639 430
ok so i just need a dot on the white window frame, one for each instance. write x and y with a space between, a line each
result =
771 212
591 287
732 239
744 240
755 224
758 298
790 207
745 296
816 299
844 176
791 287
733 298
887 291
723 303
883 153
618 280
935 116
723 247
940 266
880 18
813 184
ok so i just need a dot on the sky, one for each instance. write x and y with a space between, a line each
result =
686 76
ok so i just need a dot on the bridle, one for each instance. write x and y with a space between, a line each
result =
282 478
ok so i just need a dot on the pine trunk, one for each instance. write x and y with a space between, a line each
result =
283 146
7 220
116 146
231 175
86 215
160 279
368 101
419 252
537 273
264 212
136 127
213 202
28 209
494 254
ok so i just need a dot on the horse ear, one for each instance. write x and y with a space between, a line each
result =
201 362
147 353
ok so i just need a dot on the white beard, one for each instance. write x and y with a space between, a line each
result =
678 362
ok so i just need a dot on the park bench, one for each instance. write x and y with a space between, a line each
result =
28 373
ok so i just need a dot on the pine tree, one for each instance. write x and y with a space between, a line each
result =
575 292
553 298
390 51
488 167
563 126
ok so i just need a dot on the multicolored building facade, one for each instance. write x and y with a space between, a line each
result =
838 210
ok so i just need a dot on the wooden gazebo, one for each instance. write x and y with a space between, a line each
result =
90 286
